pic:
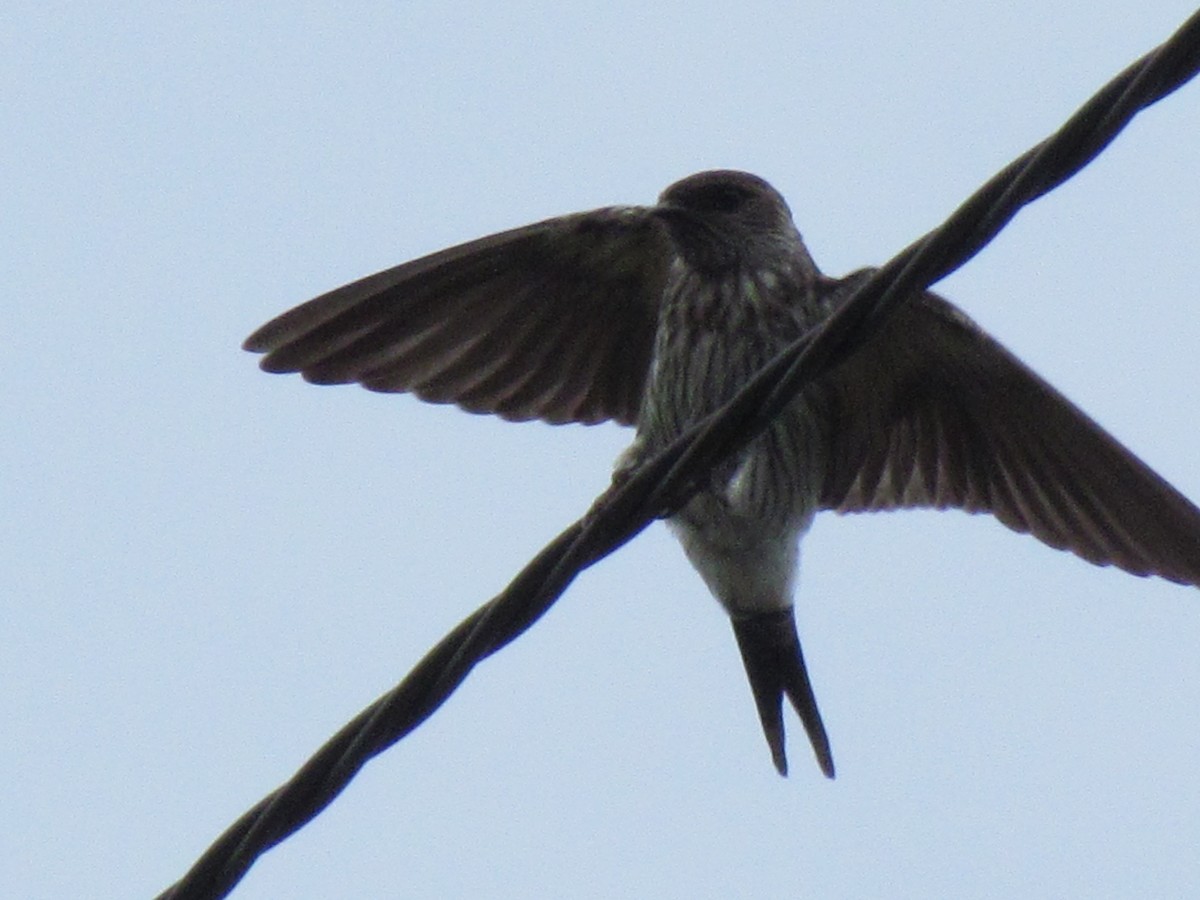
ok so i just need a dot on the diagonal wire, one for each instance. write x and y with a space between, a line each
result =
666 481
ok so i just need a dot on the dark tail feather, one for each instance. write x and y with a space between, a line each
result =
775 666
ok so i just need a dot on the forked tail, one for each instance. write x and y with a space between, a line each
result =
775 666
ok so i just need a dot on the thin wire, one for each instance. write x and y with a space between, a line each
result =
665 482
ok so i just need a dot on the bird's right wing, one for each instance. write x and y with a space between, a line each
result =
933 412
551 321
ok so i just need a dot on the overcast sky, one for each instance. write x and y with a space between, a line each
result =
205 570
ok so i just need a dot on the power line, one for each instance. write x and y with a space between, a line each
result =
667 481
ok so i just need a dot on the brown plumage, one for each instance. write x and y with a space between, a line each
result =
654 316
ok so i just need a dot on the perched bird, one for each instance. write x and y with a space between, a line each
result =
654 316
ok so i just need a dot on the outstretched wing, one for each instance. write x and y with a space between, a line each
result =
552 321
935 413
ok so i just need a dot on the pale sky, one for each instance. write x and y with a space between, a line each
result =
205 570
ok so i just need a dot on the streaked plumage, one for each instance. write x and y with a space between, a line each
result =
654 316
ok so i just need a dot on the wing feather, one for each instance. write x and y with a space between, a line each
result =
934 413
552 321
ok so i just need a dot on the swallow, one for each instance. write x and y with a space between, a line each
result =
655 316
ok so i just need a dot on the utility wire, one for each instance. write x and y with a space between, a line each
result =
665 482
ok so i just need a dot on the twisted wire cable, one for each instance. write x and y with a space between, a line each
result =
665 482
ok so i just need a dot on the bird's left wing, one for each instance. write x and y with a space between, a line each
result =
552 321
933 412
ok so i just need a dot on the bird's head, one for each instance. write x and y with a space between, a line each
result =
725 219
